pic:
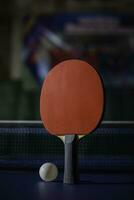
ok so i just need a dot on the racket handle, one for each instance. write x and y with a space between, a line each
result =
71 175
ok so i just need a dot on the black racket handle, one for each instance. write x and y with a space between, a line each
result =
71 174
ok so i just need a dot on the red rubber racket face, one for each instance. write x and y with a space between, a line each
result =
72 99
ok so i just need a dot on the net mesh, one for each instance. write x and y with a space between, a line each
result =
28 145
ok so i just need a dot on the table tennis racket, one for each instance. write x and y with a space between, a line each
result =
71 106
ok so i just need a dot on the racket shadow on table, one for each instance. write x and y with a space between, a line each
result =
71 106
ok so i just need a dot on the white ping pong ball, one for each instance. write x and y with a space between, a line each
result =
48 172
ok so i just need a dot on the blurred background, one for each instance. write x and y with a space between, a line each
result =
37 34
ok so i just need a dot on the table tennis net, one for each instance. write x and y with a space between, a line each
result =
27 145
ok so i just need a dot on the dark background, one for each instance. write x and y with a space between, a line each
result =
37 34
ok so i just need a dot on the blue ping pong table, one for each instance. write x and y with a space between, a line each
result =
27 185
